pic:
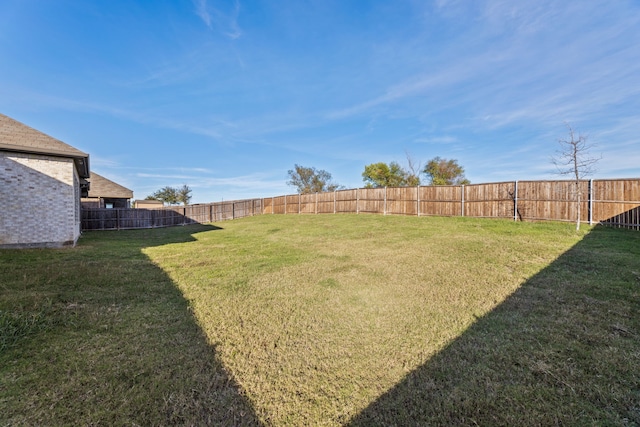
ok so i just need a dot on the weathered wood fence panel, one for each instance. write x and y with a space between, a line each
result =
307 203
552 200
279 204
292 204
346 201
489 200
372 200
614 202
326 202
441 200
121 218
402 201
617 202
130 218
267 205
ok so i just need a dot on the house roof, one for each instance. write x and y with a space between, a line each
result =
105 188
18 137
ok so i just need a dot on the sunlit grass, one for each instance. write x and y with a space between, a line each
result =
328 312
325 320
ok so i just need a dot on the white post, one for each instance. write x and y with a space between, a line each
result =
334 201
385 201
357 200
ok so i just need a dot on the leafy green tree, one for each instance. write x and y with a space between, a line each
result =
445 172
184 194
387 175
172 196
310 180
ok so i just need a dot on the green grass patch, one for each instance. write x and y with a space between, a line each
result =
325 320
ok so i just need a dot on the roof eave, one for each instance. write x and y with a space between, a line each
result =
82 166
80 159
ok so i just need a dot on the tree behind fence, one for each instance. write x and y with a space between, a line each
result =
614 202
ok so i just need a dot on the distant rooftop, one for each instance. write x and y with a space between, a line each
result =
105 188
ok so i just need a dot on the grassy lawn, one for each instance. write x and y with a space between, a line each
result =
325 320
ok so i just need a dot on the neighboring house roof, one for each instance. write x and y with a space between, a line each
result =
105 188
18 137
148 204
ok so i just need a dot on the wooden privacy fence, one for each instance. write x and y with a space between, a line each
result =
614 202
130 218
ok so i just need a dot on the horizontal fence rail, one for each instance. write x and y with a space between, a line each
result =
614 202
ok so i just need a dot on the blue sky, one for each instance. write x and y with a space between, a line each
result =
226 96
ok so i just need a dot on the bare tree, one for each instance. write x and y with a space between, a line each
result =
413 170
573 158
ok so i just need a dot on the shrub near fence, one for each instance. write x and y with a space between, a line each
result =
614 202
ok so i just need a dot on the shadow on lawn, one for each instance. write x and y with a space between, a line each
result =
204 392
122 346
211 396
563 349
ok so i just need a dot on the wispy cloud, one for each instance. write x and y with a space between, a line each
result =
216 128
445 139
488 82
202 12
525 62
257 184
226 22
410 87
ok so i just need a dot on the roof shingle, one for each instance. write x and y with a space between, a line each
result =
105 188
18 137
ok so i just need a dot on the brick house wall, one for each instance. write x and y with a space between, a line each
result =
39 201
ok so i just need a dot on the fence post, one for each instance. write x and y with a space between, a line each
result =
462 207
316 203
515 201
357 200
233 210
285 204
418 200
334 201
117 219
299 203
384 209
591 202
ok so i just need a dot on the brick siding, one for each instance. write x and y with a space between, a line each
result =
39 201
